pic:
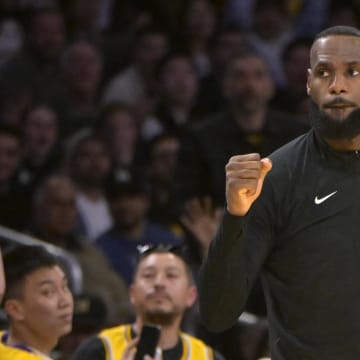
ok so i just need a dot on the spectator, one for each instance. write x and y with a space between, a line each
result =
198 27
161 291
54 221
135 85
161 170
270 33
81 74
37 300
89 164
37 65
177 86
118 127
129 204
247 125
225 42
42 150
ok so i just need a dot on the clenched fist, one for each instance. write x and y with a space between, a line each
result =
245 176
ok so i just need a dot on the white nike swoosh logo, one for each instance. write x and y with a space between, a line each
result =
319 201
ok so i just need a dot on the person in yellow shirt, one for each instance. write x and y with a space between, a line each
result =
10 353
38 303
161 291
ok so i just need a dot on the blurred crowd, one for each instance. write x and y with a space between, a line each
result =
118 117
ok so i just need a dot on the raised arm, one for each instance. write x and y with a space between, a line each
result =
235 255
245 176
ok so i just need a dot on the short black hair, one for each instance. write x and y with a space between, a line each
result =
22 261
179 251
338 30
117 187
247 52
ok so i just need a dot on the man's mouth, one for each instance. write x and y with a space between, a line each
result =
339 104
159 296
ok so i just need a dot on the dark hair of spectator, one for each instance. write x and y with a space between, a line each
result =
21 262
244 54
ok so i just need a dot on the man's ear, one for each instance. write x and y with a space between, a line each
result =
192 296
14 309
308 82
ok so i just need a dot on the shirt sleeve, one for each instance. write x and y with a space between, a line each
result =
234 261
91 349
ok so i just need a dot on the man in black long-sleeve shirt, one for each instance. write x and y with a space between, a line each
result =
298 224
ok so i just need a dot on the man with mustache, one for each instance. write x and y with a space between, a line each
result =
161 291
298 224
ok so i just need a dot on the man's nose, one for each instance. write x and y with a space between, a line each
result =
160 280
338 84
65 299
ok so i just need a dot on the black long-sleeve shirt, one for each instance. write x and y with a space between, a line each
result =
303 235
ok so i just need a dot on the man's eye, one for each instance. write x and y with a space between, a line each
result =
353 72
172 275
148 275
47 292
323 73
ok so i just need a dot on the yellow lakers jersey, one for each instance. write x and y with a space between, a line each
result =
10 353
117 338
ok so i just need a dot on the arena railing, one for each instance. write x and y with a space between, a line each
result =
73 270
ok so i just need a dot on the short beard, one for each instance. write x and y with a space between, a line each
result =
330 128
160 318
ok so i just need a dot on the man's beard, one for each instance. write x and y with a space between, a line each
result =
331 128
160 318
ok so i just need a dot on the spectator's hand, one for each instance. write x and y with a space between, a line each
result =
201 219
130 351
245 176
